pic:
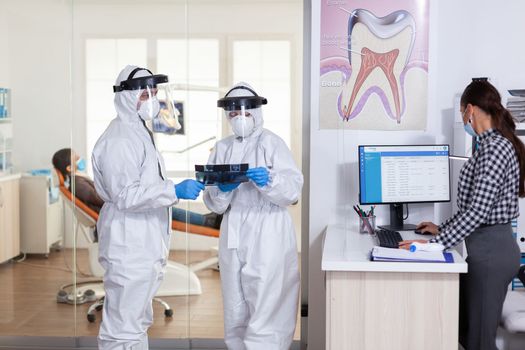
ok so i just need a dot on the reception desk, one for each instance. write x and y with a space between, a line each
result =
387 305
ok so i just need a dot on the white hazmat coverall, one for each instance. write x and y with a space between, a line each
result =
257 247
134 223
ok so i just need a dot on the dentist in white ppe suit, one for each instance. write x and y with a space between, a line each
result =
134 223
257 247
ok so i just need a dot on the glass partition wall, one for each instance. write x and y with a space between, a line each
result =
37 238
60 71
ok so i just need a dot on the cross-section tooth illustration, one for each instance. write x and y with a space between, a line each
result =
378 51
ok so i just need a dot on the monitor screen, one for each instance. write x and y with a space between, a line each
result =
404 174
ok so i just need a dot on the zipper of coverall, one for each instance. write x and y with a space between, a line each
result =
158 162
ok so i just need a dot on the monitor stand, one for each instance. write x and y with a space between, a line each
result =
396 219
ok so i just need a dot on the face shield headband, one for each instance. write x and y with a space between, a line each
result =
247 102
141 83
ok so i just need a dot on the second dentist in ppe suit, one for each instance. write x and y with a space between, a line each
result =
134 224
257 246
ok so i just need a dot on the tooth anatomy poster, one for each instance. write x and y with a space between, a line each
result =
373 64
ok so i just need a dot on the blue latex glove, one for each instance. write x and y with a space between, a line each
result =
258 175
228 187
188 189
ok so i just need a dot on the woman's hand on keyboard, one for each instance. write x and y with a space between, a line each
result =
427 227
406 244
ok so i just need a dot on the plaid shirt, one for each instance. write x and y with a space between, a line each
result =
487 191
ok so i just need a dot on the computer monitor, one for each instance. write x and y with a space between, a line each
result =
398 175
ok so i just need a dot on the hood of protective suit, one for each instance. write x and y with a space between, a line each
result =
255 112
126 101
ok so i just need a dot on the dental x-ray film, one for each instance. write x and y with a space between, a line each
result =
213 174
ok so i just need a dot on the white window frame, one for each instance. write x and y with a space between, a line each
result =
296 88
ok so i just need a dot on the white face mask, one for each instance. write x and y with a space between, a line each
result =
242 126
149 109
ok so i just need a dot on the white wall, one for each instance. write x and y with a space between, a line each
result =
467 39
37 53
4 45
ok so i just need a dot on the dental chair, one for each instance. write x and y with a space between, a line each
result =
179 279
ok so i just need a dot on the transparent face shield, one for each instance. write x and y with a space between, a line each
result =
167 120
148 106
154 98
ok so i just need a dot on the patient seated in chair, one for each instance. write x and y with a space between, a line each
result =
84 189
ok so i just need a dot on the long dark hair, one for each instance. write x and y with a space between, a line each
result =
61 160
485 96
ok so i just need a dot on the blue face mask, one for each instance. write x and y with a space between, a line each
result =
468 128
81 164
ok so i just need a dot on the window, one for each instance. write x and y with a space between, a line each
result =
193 67
104 60
195 71
265 64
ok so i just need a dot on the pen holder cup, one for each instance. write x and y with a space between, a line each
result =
364 227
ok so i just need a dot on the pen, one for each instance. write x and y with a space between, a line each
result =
361 210
356 210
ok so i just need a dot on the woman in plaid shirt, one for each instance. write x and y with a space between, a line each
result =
490 183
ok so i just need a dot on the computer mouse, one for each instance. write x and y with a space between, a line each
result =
422 232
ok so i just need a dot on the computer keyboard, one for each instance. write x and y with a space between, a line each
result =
388 238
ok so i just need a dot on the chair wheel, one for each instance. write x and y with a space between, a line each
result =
62 296
89 294
91 318
168 312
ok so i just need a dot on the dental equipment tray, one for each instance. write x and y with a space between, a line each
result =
213 174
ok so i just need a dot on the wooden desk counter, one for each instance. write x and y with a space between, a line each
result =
387 305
